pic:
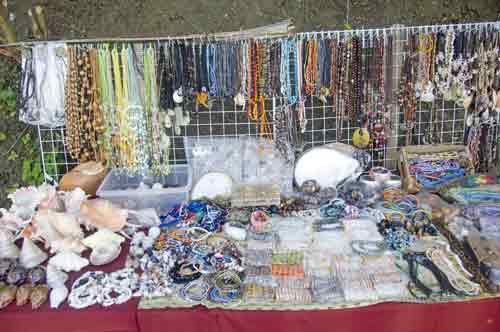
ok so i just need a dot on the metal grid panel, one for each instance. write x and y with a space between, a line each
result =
326 126
323 125
223 119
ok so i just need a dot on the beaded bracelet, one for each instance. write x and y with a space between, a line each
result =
258 293
293 295
218 296
294 270
194 291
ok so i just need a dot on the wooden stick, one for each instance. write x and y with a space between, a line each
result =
34 25
42 21
9 33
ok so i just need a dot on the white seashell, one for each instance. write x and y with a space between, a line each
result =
57 296
239 99
212 185
177 96
136 251
102 236
43 227
427 93
157 186
8 248
105 253
143 218
148 242
154 232
68 244
27 197
12 221
68 261
73 200
55 277
31 255
67 225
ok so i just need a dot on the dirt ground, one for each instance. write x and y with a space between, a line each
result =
69 19
113 18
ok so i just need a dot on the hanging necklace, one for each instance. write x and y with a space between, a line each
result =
333 73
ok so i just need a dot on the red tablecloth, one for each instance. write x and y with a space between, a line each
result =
474 316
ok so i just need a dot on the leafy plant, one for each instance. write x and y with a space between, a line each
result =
32 165
8 99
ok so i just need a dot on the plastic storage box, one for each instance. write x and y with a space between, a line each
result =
123 189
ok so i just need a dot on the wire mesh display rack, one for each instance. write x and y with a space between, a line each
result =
324 125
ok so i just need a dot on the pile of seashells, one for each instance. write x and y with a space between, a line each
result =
55 229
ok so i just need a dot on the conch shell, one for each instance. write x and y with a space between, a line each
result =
38 296
31 255
26 200
73 200
102 236
23 294
63 223
42 227
68 244
57 296
55 277
99 213
8 249
68 261
105 253
7 295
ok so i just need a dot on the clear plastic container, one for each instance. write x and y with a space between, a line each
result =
124 190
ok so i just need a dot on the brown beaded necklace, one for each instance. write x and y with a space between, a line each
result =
71 107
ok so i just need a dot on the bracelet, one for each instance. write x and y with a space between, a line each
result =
184 271
194 291
197 234
218 296
368 248
291 270
227 280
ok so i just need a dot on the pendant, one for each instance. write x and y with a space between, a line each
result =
239 100
323 93
202 98
178 96
361 138
427 93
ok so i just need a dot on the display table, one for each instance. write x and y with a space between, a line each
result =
468 316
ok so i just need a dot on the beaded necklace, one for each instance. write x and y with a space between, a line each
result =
97 116
71 106
333 73
300 82
407 100
311 66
